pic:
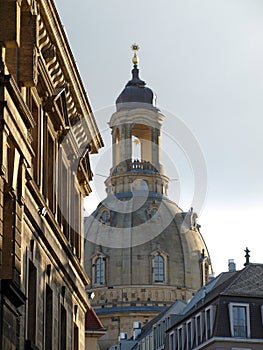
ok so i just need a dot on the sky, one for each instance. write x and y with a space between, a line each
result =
204 61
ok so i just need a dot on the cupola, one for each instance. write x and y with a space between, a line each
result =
135 91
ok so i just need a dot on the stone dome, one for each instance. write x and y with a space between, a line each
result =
135 92
130 229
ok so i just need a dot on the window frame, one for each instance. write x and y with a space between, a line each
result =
210 309
103 220
189 345
101 281
172 340
231 319
180 338
199 316
161 270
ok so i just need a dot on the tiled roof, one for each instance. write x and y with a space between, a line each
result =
248 282
92 322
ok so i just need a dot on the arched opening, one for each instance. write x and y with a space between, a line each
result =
141 143
117 146
136 148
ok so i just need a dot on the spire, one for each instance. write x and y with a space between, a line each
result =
135 48
247 256
135 72
135 90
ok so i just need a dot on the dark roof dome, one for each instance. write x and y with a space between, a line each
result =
135 91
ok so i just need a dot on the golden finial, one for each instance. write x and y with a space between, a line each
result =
135 49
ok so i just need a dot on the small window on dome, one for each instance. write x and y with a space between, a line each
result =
105 217
152 213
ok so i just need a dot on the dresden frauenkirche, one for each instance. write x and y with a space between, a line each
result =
142 251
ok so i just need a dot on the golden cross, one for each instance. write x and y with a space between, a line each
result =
135 49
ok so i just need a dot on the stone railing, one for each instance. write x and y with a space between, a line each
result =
135 165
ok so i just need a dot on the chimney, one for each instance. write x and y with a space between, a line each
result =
231 265
137 329
123 336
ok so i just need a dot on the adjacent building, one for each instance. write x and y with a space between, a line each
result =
226 314
93 330
142 251
47 132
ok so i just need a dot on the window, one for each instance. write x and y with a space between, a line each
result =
100 270
189 335
75 220
209 321
49 318
105 216
76 337
172 341
198 328
63 328
35 136
239 320
63 198
31 302
50 171
158 268
180 338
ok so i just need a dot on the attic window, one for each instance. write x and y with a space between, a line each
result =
209 321
239 320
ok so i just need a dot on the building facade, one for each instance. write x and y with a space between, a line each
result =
142 251
47 133
93 330
226 314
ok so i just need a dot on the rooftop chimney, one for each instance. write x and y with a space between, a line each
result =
231 265
137 329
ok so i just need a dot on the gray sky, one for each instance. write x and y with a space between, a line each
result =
204 60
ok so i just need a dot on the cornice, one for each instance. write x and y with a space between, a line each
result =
68 67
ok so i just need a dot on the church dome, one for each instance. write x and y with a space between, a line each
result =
142 251
134 92
130 230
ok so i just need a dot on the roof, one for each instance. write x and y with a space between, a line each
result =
136 92
246 283
172 309
92 322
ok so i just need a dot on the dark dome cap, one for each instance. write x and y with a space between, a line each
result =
136 94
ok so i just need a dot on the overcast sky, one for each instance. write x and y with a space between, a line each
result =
204 60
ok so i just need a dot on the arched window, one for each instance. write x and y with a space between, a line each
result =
158 268
100 270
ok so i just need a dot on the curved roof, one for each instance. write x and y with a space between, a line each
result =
134 92
141 228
